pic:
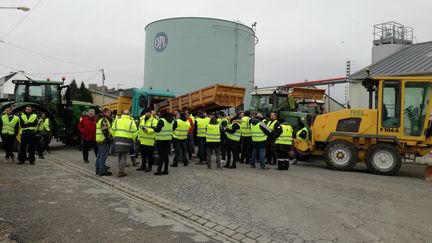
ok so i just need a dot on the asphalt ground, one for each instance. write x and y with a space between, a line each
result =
307 203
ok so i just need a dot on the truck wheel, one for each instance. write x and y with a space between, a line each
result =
340 155
383 159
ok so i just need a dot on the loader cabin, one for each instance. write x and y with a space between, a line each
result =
403 106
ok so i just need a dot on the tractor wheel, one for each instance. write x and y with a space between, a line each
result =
383 159
340 155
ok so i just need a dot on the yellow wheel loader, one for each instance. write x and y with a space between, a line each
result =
395 128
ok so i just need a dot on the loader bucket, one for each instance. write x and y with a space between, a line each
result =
428 173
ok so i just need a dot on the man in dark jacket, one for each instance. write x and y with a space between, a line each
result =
28 124
87 128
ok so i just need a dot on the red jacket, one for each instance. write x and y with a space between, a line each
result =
87 128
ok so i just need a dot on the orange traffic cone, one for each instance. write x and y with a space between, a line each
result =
428 173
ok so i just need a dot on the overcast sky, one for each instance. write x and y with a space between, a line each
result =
298 40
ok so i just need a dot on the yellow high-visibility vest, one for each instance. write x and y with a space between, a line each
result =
9 126
166 131
201 126
234 136
181 130
257 134
271 125
286 136
213 133
99 135
147 138
32 118
245 127
125 127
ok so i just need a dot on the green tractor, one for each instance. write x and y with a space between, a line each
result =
53 98
298 106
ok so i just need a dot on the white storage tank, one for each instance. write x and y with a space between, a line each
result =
188 53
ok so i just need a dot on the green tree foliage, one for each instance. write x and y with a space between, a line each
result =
81 93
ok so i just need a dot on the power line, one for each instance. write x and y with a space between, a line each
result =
21 20
77 72
44 55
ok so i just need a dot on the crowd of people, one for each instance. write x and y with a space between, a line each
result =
242 137
32 130
239 138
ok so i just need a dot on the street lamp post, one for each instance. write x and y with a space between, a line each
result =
22 8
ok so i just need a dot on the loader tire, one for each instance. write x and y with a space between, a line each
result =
340 155
383 159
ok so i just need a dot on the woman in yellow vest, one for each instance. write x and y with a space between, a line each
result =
259 132
164 130
181 128
284 139
213 139
201 123
233 136
146 138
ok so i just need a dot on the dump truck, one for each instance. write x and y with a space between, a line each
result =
211 98
140 100
395 128
46 96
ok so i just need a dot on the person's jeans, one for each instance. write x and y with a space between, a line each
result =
87 144
223 146
233 148
180 151
103 151
147 157
112 149
122 159
28 141
202 149
216 149
7 144
246 149
258 147
190 144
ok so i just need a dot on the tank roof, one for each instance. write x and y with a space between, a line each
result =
208 18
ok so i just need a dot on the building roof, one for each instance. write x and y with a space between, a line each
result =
412 60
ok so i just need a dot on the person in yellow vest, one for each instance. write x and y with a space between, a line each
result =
164 131
43 134
223 122
259 133
125 132
233 134
213 140
181 128
146 138
201 123
272 122
9 125
28 125
284 140
246 138
104 139
190 138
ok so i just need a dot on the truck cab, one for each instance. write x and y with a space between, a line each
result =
143 98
